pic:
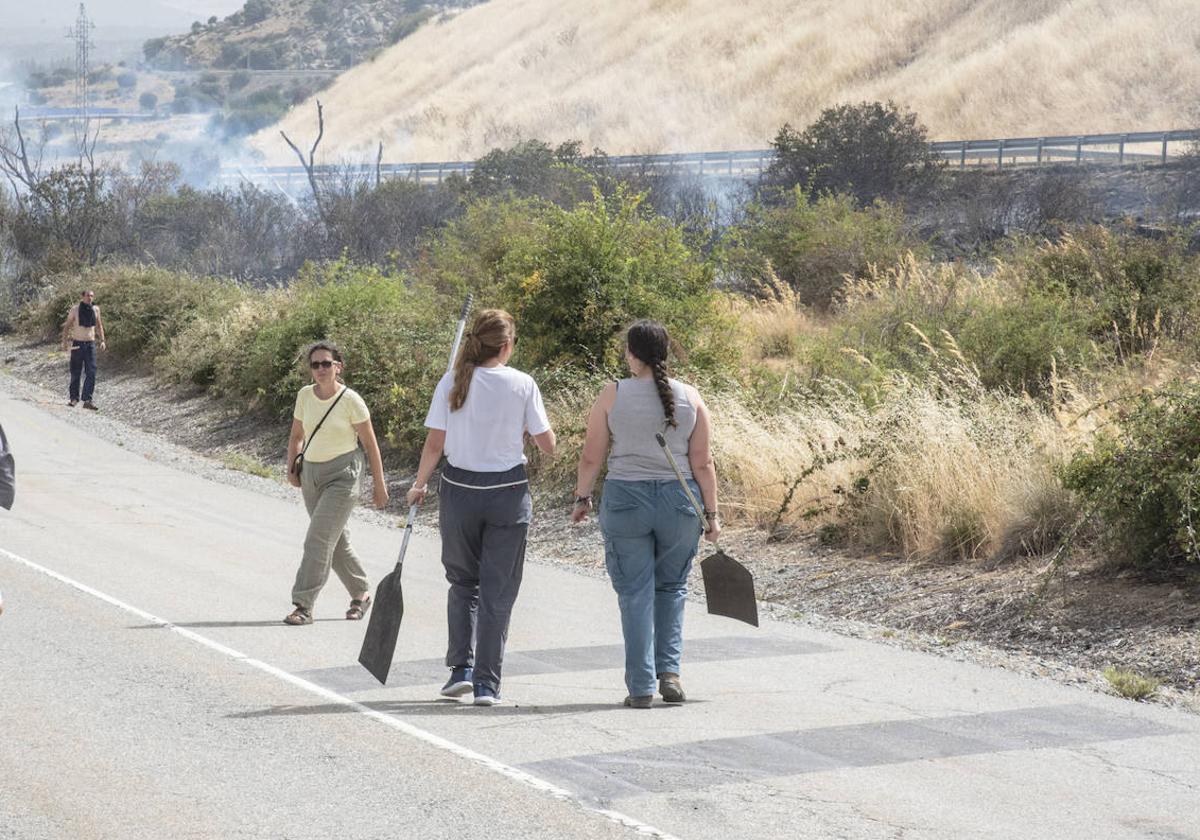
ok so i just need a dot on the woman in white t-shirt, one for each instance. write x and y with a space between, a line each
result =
329 422
480 414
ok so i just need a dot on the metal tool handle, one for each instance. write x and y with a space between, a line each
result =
458 334
699 508
408 526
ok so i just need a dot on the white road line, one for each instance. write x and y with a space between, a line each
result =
490 763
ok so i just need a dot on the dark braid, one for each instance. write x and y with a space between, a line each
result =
649 343
664 391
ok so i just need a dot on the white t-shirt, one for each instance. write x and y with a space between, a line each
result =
487 433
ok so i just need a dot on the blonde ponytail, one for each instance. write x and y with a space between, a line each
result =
490 331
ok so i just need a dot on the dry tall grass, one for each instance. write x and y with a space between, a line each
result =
931 473
935 468
635 76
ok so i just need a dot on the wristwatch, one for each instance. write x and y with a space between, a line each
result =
581 500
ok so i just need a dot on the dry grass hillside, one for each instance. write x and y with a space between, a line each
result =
293 34
633 76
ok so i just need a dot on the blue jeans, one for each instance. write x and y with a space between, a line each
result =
651 533
83 361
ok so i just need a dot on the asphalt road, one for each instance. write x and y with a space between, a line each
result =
149 690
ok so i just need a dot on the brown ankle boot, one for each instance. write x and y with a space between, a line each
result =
670 688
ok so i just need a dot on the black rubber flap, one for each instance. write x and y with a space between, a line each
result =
729 588
384 627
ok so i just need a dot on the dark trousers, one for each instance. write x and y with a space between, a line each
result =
83 361
484 527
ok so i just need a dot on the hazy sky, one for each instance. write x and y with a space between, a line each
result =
167 15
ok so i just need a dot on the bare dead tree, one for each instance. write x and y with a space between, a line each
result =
15 159
379 164
64 209
87 148
309 164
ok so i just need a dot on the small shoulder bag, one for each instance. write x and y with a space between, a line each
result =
298 461
8 473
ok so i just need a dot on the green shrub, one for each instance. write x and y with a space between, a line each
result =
248 114
152 47
245 463
231 54
210 352
1135 290
395 336
593 270
59 224
814 244
532 168
871 150
256 11
143 307
1142 479
1018 343
469 254
1131 684
916 315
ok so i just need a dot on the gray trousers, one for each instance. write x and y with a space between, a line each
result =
483 550
330 489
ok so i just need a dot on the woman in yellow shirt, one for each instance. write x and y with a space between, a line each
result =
329 422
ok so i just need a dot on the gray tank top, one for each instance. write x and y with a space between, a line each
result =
633 421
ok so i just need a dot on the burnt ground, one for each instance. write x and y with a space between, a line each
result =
1067 623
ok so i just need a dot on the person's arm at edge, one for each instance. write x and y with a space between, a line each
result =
100 330
704 471
546 441
66 328
295 441
595 445
431 453
366 435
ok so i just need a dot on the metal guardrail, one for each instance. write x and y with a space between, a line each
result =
1077 148
1022 151
229 71
43 115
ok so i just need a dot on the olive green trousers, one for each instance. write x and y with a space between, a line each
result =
330 489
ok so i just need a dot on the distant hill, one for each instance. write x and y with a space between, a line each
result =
294 34
634 76
155 15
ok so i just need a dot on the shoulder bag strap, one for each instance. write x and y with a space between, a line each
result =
319 425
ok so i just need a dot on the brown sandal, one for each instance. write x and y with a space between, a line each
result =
358 608
299 616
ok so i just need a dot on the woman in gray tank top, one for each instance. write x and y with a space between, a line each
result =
650 528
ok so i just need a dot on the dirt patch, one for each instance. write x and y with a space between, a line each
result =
1068 625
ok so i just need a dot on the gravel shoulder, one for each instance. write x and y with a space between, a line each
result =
1067 626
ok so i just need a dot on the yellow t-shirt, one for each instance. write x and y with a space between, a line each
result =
337 435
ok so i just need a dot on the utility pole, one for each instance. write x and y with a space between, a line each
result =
81 34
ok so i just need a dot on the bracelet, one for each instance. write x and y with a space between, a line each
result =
710 514
424 488
580 500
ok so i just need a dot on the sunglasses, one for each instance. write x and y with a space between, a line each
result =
324 363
